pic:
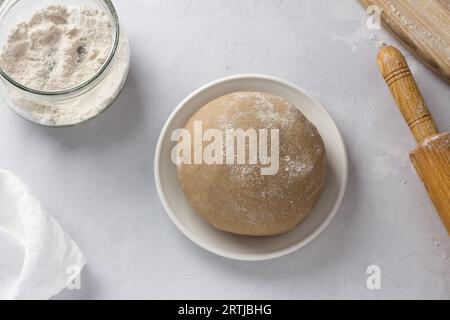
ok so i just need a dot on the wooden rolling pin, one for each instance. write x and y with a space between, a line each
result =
432 156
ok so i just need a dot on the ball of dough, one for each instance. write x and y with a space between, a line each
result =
237 198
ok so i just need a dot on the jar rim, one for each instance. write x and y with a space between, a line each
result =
7 5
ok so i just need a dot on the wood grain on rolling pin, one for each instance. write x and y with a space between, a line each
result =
432 156
432 163
423 26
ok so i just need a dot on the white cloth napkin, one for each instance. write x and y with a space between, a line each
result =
37 258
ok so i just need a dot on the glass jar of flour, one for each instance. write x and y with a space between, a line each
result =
63 63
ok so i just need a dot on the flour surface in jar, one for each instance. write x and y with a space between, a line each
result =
59 48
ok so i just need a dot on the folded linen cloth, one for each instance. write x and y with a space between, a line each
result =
37 258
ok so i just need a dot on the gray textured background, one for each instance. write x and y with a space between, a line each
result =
97 179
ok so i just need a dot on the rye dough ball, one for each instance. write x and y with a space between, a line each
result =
238 198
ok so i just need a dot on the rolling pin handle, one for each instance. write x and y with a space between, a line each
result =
398 77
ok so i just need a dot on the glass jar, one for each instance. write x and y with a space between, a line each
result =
73 105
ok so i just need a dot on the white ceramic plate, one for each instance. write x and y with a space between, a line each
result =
243 247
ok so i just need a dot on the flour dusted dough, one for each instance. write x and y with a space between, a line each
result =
237 198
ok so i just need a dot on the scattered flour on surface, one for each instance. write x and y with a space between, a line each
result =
418 32
299 168
270 117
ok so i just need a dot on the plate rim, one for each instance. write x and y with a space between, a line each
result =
223 253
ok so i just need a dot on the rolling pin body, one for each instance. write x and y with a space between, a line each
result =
432 156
